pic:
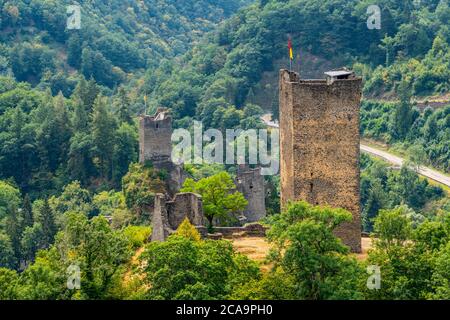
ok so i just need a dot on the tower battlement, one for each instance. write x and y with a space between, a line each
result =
319 144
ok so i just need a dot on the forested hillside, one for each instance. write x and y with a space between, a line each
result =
217 81
220 80
116 38
231 60
72 194
47 140
407 59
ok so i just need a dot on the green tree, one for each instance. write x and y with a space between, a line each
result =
46 219
402 118
122 106
393 228
387 44
183 268
93 246
416 156
27 212
7 258
139 187
218 194
45 279
80 117
9 282
441 277
9 196
98 250
73 198
376 200
408 256
306 249
86 92
74 50
412 190
125 151
79 163
103 136
33 239
13 229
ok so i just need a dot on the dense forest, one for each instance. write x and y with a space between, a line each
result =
407 59
309 262
117 38
72 194
423 135
233 58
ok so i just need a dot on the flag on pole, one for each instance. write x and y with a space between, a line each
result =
291 53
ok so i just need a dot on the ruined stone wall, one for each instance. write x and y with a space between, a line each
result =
185 205
319 139
155 137
250 183
169 214
160 225
249 230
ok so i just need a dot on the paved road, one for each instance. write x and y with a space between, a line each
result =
395 160
424 171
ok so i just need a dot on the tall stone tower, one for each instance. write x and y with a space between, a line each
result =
250 183
155 137
319 144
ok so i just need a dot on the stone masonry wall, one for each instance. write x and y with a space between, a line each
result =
155 134
160 224
250 183
319 139
185 205
169 214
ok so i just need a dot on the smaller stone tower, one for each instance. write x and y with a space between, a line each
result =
250 183
155 145
155 137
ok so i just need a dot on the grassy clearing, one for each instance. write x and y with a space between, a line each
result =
257 248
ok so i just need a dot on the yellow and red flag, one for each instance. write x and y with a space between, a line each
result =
291 53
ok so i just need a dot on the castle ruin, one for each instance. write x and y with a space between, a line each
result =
169 210
155 133
319 144
169 214
250 183
155 146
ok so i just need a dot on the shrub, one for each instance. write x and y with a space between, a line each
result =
137 235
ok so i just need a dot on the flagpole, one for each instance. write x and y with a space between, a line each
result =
145 104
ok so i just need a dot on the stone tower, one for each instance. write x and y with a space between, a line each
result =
319 144
155 137
155 145
250 183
